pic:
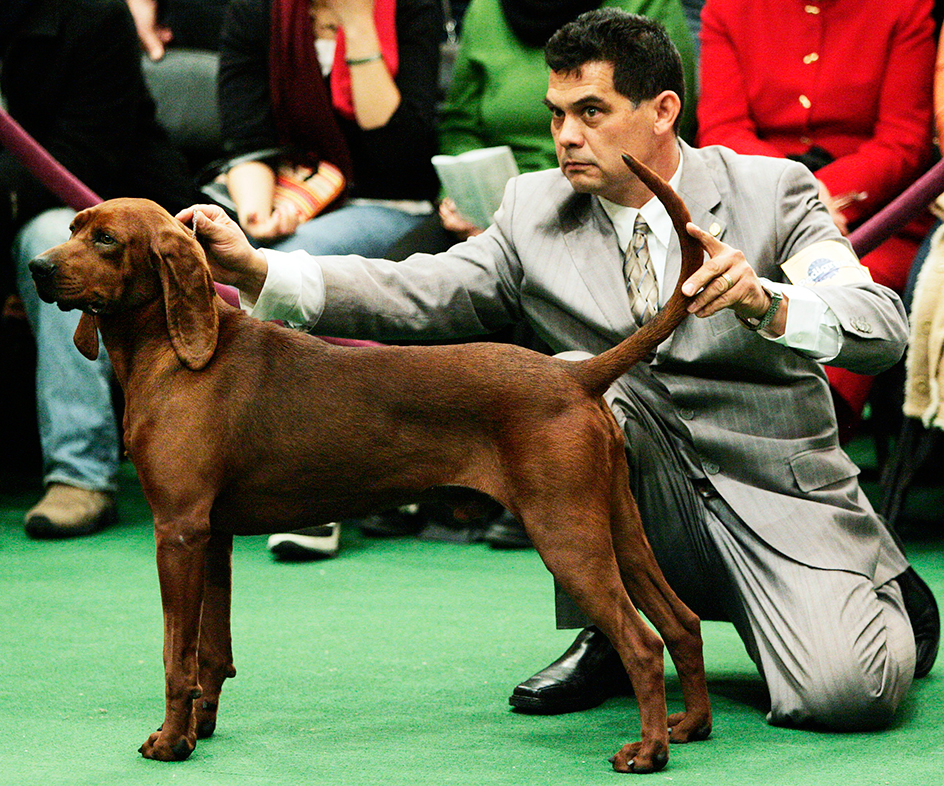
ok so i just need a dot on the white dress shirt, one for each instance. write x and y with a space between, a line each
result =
811 328
294 289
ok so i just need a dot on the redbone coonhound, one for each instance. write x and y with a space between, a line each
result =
240 427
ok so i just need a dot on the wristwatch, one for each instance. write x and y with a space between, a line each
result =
776 298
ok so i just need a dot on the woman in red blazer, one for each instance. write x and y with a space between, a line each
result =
844 86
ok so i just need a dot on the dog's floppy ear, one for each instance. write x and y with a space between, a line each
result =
188 296
86 336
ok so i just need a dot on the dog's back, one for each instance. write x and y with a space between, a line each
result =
416 418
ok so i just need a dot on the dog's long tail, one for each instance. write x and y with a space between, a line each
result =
599 372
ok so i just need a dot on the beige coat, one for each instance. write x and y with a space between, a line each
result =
924 383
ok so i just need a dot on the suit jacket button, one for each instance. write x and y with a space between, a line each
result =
711 468
715 229
860 324
686 414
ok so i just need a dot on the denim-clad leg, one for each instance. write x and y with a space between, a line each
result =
366 230
369 231
77 425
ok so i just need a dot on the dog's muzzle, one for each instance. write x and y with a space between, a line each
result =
42 267
43 270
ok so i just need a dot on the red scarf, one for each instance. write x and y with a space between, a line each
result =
304 111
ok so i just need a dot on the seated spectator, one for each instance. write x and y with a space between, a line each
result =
72 78
844 87
925 248
354 102
194 24
345 89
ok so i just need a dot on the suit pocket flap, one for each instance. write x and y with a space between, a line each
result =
814 469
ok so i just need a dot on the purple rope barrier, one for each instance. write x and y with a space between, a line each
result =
60 180
899 211
47 169
78 196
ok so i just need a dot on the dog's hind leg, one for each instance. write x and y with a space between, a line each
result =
678 625
216 648
572 535
181 565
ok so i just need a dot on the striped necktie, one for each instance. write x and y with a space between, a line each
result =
641 275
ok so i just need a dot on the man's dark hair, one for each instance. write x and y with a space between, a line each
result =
645 60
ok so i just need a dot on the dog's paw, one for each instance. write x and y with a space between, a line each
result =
162 749
638 758
205 714
689 727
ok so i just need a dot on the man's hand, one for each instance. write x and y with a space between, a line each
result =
153 36
726 280
232 258
835 207
281 222
351 12
455 223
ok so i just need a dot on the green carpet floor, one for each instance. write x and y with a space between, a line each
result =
388 665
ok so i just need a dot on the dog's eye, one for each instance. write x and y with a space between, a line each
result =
105 239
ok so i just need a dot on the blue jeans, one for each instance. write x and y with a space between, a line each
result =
366 230
77 428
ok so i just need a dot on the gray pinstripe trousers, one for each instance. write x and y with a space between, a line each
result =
833 649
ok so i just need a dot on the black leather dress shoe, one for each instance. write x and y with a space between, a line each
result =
586 675
408 520
925 619
506 532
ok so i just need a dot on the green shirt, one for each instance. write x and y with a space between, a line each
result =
498 86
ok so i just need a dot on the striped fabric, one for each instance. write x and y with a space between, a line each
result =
308 192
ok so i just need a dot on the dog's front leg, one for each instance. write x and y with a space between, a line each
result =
181 564
216 648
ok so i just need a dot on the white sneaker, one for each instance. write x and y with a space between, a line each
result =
309 543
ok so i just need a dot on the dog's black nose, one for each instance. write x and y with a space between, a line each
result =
42 267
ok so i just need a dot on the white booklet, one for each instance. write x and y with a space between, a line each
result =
475 180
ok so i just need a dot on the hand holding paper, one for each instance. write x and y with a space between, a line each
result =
475 181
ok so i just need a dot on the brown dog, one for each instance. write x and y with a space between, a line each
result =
240 427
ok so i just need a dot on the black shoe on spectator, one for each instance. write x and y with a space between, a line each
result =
506 532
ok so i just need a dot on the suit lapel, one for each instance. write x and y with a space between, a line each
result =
701 196
594 251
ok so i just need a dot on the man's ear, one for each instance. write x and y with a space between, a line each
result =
667 106
86 336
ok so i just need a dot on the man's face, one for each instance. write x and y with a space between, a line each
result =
593 126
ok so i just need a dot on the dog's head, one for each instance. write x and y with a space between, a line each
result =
123 254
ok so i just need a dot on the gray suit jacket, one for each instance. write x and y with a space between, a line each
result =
759 415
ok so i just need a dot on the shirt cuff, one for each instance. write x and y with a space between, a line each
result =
812 327
293 292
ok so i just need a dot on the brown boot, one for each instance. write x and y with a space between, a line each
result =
69 512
